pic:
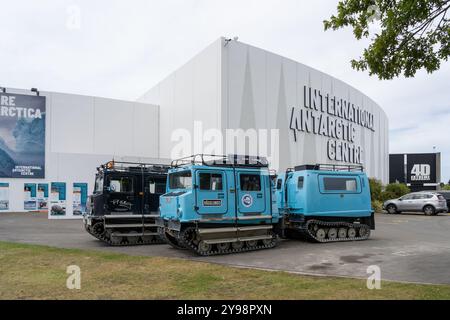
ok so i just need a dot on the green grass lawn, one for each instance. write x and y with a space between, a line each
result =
38 272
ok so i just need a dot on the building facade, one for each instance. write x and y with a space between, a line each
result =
232 85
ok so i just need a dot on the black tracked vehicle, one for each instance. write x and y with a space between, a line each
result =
125 202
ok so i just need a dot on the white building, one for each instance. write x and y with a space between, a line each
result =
233 85
229 85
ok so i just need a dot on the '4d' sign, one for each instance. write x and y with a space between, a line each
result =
335 118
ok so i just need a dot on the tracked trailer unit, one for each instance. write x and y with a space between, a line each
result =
124 205
219 204
325 203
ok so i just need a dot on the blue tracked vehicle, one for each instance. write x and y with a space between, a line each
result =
325 203
219 204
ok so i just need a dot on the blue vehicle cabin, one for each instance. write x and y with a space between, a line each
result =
219 204
325 203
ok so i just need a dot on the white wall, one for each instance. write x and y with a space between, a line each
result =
192 93
83 132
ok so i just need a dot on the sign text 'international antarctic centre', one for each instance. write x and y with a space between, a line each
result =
22 136
335 118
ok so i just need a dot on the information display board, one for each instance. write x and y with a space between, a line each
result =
22 136
29 192
4 196
58 199
80 194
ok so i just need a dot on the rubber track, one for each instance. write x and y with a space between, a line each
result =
188 244
167 240
105 239
325 224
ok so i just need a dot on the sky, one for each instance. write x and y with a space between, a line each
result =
120 49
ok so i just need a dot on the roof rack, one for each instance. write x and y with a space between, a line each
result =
124 166
331 167
232 160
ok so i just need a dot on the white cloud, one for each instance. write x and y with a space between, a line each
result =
124 47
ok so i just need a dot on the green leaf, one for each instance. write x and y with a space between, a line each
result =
414 34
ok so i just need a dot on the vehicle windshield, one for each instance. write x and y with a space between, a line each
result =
180 180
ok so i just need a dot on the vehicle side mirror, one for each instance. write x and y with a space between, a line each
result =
400 199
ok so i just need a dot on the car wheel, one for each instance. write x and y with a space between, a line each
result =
429 210
391 209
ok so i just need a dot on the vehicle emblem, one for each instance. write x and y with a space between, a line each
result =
247 200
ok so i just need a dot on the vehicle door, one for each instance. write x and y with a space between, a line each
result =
418 201
123 195
280 191
211 195
405 203
294 186
97 199
155 186
251 191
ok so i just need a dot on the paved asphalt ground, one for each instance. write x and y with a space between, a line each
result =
407 247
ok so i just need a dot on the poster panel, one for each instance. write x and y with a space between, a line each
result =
58 199
4 196
421 168
80 193
29 192
42 196
22 136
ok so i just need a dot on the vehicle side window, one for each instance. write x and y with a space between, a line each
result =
279 184
250 182
407 197
99 184
124 185
418 197
300 182
340 184
211 181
